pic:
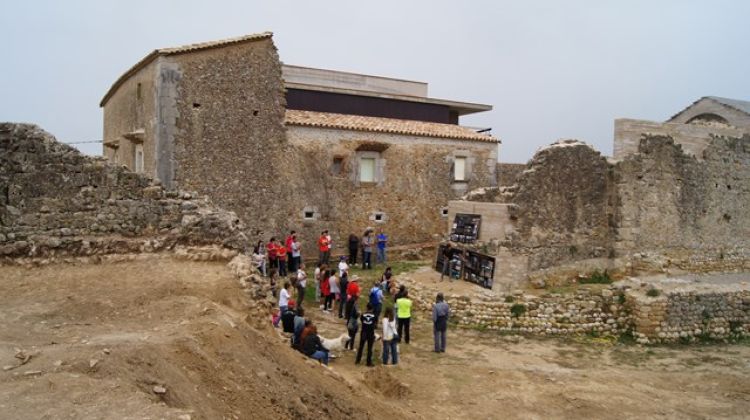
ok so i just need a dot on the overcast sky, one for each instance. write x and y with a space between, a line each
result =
551 69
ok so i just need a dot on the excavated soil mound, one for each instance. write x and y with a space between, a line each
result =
380 380
157 338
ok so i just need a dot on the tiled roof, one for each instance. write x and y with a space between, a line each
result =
384 125
179 50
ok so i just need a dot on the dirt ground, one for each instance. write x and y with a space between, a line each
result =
488 375
100 341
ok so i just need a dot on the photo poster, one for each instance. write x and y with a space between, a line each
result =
466 227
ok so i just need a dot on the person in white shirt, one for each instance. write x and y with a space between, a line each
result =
284 297
390 339
296 253
343 266
301 284
333 283
317 274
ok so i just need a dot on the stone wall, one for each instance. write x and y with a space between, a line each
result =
56 202
507 173
561 208
690 314
691 212
692 137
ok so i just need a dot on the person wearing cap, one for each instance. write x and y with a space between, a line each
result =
440 313
352 289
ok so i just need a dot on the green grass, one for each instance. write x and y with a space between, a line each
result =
597 277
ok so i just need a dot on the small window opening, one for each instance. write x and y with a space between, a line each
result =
309 215
138 158
444 212
729 187
196 105
138 91
255 113
338 163
459 169
378 217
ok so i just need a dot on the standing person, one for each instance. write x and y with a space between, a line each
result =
382 244
352 290
376 300
367 250
333 282
368 335
272 255
288 244
317 275
284 297
281 256
301 284
385 281
325 289
390 339
259 258
296 254
324 248
404 315
313 348
344 286
352 323
446 257
440 313
343 266
353 248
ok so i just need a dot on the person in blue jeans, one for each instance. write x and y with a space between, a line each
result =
313 348
390 339
382 240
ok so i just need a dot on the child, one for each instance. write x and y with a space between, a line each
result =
275 317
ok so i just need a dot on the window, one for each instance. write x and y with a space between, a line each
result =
367 169
138 158
378 217
309 215
338 164
459 169
444 212
138 91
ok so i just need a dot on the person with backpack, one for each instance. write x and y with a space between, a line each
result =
367 336
376 300
404 315
440 313
287 318
352 323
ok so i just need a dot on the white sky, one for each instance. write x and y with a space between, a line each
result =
551 69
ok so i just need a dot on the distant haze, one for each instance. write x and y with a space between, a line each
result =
551 69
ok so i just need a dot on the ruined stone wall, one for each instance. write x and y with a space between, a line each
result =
56 202
691 212
561 209
415 183
508 172
693 138
718 312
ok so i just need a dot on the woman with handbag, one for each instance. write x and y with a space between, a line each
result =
390 339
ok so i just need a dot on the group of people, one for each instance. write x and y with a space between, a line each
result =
388 306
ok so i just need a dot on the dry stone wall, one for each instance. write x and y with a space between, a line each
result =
56 202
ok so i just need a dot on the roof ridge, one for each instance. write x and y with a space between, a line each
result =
179 50
384 125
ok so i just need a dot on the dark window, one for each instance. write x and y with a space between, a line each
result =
337 166
138 91
309 215
378 217
444 212
196 105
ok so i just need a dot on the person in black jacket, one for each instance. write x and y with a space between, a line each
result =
287 318
353 248
352 322
368 335
312 347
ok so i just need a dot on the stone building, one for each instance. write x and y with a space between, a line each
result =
290 147
692 128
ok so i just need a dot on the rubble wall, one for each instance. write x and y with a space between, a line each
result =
692 214
561 208
56 202
507 173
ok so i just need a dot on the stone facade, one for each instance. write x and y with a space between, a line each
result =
212 118
508 172
55 202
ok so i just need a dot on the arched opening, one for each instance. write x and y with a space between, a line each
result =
708 119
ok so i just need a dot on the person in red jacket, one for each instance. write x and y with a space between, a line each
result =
325 290
352 290
273 257
324 246
281 256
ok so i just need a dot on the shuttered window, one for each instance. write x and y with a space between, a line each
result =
459 169
367 169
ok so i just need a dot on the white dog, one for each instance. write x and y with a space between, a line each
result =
335 344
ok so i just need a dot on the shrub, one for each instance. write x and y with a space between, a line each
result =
517 310
597 277
509 299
